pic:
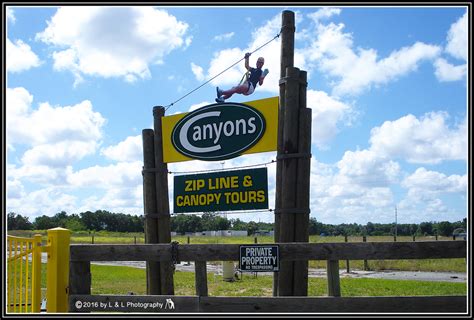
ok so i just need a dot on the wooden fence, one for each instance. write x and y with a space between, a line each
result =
81 300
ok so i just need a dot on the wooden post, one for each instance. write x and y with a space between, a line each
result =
149 205
413 238
201 278
366 265
300 285
289 177
347 261
293 167
286 60
162 202
334 287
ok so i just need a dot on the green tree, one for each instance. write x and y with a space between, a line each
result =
445 228
44 223
18 222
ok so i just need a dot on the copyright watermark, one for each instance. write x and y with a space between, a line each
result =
121 305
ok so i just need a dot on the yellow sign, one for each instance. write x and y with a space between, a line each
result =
221 131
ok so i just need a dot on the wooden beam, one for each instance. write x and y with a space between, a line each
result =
288 251
432 304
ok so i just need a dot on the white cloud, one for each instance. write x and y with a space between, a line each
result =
360 69
424 181
10 15
112 41
458 38
341 194
368 169
225 36
198 72
324 13
47 201
328 113
58 154
445 71
120 175
35 126
424 140
127 200
20 57
131 149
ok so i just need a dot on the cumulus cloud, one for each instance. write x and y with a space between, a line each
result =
20 57
122 174
197 71
328 114
358 69
56 137
129 150
445 71
425 140
71 123
457 39
324 13
424 181
112 41
46 201
342 194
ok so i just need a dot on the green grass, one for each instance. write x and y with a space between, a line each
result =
121 280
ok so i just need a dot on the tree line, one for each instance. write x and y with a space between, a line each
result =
182 223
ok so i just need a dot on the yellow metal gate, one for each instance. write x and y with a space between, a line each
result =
24 272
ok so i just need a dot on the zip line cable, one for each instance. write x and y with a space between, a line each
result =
220 170
187 94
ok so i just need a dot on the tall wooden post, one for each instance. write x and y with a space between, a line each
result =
149 205
162 202
293 167
286 60
302 187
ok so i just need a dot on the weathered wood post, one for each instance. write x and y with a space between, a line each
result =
286 60
293 166
162 202
149 205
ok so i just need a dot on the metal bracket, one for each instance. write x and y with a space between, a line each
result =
156 215
284 80
293 210
294 155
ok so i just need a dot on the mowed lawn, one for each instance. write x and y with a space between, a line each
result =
124 280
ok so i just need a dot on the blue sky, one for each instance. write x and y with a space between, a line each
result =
387 87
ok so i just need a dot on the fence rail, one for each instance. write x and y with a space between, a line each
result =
82 255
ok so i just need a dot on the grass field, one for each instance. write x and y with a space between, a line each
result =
122 280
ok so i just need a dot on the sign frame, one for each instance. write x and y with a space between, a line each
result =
274 267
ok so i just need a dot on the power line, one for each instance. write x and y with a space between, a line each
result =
187 94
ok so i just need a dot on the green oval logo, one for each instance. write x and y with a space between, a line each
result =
218 131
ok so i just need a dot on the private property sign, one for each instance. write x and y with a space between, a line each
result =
259 258
221 191
221 131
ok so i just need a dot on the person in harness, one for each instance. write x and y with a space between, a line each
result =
253 76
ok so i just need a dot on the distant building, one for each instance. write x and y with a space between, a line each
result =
222 233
